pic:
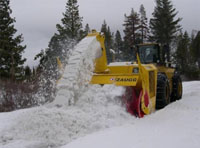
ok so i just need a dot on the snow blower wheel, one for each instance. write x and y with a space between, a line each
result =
177 88
163 92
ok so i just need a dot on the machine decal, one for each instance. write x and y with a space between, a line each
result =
125 79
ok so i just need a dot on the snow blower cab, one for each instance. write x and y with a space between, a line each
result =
169 83
144 78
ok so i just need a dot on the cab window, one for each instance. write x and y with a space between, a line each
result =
148 54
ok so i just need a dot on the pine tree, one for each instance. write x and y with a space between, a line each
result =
144 30
72 22
184 57
164 24
28 73
182 52
118 46
34 72
108 40
69 33
104 27
132 36
87 28
11 61
196 48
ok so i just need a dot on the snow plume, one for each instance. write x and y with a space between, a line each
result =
77 73
40 88
50 72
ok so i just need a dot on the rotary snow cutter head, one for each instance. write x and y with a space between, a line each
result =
140 80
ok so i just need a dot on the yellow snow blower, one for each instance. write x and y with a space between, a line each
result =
150 82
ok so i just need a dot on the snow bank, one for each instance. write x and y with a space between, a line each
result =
97 109
177 125
79 108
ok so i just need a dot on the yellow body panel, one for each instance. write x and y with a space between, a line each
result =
101 62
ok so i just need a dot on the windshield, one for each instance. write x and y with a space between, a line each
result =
148 54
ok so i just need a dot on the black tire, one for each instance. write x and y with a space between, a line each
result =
177 89
163 92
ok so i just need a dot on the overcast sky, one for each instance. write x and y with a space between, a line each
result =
36 19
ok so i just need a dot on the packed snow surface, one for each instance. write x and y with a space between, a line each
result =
81 109
99 109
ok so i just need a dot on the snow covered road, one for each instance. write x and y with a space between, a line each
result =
175 126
